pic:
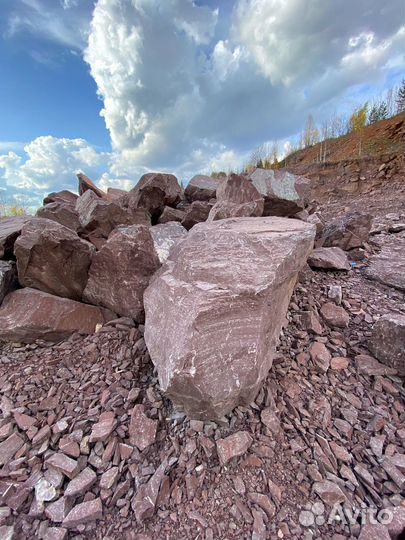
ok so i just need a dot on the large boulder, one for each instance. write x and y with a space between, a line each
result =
100 217
153 192
10 230
387 341
215 309
165 237
121 270
347 232
52 258
85 184
388 266
284 193
62 213
8 278
332 258
201 188
197 212
28 314
65 196
236 197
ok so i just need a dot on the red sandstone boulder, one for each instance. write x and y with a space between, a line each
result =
65 196
52 258
115 194
347 232
153 192
62 213
332 258
171 214
99 217
201 188
85 184
10 230
387 342
284 193
121 270
28 314
196 213
215 310
236 197
165 237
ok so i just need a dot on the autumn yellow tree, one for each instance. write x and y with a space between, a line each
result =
358 119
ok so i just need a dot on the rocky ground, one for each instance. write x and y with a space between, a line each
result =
86 435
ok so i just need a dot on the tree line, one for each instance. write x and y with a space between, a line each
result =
267 156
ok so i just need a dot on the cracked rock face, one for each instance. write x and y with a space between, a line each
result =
215 309
236 197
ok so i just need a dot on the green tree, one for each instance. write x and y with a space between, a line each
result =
379 111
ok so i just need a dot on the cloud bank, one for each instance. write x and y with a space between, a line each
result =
191 88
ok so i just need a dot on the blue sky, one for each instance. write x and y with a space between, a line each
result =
119 87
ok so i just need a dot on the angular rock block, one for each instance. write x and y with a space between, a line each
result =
28 314
347 232
284 193
52 258
10 230
153 192
85 184
121 270
165 237
62 213
387 341
215 309
65 196
202 188
99 217
197 212
236 197
332 258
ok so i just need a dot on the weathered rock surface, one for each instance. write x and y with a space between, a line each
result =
153 192
171 214
208 327
198 212
387 342
28 314
332 258
100 217
8 278
165 237
284 193
65 197
52 258
388 266
62 213
347 232
233 446
121 270
202 188
236 197
335 315
85 184
10 230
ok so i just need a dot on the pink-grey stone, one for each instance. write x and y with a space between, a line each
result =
284 193
197 212
142 430
335 315
52 258
121 270
209 329
81 483
8 278
10 230
84 513
347 232
329 258
165 237
202 188
28 314
62 213
233 446
236 197
387 342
